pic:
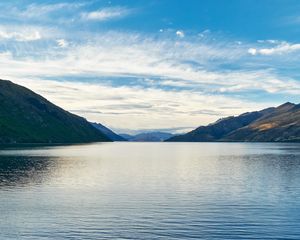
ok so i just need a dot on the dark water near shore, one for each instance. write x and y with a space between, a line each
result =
151 191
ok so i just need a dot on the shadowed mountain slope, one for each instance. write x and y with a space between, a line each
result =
26 117
109 133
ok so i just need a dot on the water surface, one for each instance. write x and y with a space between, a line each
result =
151 191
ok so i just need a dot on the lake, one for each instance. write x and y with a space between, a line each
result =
151 191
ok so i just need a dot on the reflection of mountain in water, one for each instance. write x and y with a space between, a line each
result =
24 170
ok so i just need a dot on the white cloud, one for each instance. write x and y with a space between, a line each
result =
113 106
170 78
62 43
252 51
282 48
168 62
5 56
180 33
35 10
42 11
22 35
183 67
106 14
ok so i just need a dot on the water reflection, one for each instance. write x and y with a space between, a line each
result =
20 171
151 191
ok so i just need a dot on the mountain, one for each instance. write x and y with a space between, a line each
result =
109 133
148 137
280 124
126 136
26 117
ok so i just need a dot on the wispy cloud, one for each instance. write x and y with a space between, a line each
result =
175 77
64 12
174 84
38 10
20 34
281 48
106 14
41 13
142 106
185 64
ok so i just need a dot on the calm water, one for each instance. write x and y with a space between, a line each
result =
151 191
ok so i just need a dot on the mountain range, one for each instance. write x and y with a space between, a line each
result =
26 117
148 137
276 124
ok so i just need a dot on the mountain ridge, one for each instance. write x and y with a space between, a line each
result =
26 117
108 132
274 124
148 137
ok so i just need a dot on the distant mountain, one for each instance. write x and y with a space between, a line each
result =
109 133
26 117
126 136
280 124
148 137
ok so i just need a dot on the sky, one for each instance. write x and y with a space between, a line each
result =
167 65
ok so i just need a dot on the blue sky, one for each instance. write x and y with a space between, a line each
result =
156 64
